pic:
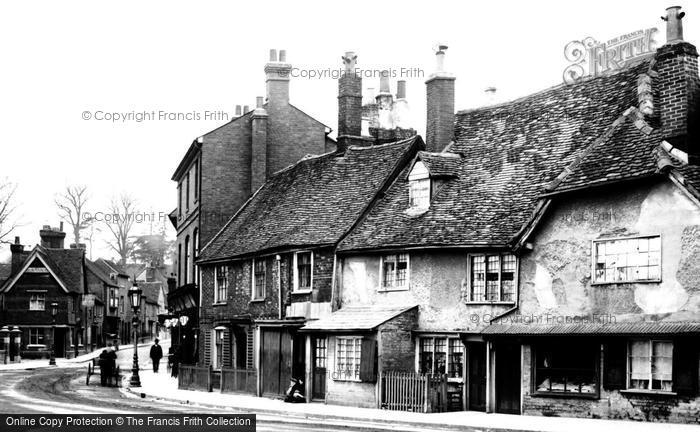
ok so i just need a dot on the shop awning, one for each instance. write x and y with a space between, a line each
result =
356 318
609 329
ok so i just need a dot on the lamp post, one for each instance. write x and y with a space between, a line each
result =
135 298
17 337
54 311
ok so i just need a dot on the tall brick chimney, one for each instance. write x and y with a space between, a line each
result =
440 89
349 104
52 238
17 250
258 162
277 72
678 87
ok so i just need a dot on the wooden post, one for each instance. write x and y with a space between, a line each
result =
426 393
308 369
379 389
210 372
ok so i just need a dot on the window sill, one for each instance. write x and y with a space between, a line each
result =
305 291
219 304
259 300
566 395
390 289
495 302
626 282
642 392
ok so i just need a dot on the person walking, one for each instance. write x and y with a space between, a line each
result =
103 362
156 355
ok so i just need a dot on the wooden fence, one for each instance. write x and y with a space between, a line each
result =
191 377
239 380
205 378
408 391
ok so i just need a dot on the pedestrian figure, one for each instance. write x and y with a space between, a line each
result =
104 363
156 355
112 359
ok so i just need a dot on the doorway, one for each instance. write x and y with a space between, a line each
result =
276 361
319 353
59 342
477 376
508 378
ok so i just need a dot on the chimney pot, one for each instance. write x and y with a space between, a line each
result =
17 240
60 226
238 110
246 108
349 103
384 82
273 55
674 24
401 89
283 56
259 102
349 60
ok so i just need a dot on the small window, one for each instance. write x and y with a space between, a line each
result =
36 336
258 279
347 358
320 353
37 302
650 365
566 367
394 271
221 289
303 271
440 355
419 187
121 304
492 277
627 260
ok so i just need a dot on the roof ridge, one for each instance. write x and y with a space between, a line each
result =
388 144
639 123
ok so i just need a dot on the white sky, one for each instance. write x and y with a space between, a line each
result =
62 58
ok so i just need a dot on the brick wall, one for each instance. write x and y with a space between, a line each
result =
396 343
440 112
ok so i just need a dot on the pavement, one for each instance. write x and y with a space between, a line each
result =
162 387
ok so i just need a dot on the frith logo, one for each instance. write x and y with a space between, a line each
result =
589 57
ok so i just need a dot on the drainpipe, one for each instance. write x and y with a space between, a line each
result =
279 283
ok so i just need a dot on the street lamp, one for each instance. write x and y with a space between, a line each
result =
54 311
135 298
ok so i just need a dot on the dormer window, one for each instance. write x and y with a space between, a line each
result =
419 187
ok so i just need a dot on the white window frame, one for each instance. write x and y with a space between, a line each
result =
357 343
407 281
470 282
417 180
34 303
36 329
217 298
651 365
448 360
295 288
253 285
594 259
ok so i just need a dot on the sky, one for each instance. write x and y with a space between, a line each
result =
67 66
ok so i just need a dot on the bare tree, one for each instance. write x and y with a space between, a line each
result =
7 225
71 208
120 223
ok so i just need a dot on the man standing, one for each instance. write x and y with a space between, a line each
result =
156 355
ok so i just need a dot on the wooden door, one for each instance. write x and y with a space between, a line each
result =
276 361
508 380
319 354
477 376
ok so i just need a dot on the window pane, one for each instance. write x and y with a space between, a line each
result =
426 355
304 270
508 278
478 278
628 260
492 276
456 358
389 270
419 193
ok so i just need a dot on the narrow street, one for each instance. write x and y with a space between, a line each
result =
62 390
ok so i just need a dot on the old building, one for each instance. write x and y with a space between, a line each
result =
270 269
225 166
118 299
47 274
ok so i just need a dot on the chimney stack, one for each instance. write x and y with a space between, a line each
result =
400 109
52 238
401 89
258 163
678 88
17 250
440 89
349 104
385 102
238 111
277 72
246 108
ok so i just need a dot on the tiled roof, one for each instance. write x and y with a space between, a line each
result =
68 266
314 202
359 318
441 164
624 328
5 270
691 174
510 153
97 270
150 291
109 267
